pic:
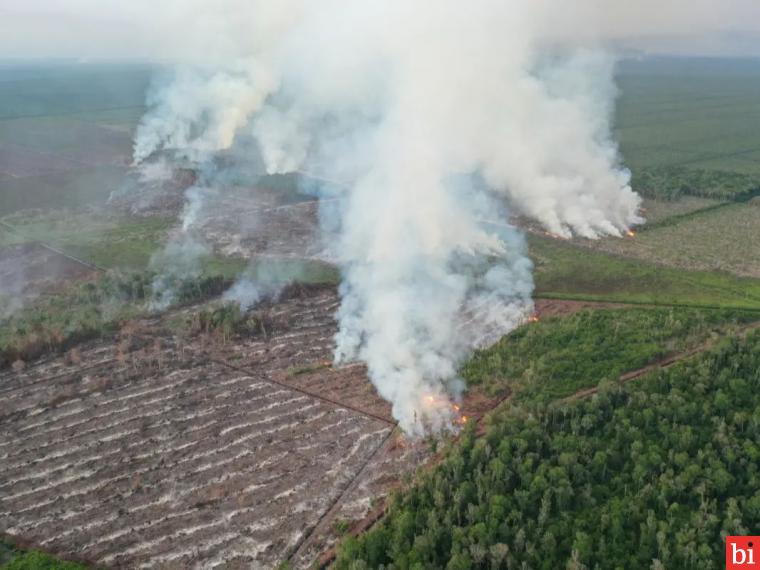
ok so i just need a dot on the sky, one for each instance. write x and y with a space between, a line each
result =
168 30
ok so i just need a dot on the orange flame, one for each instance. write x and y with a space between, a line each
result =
533 319
631 233
441 402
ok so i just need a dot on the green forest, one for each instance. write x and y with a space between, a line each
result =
652 474
558 356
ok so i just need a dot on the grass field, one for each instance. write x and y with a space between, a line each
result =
56 88
725 239
698 113
565 270
658 211
66 132
105 242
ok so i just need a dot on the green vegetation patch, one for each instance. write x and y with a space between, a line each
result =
658 211
558 356
690 112
90 310
672 182
653 474
70 189
90 235
12 558
39 561
222 320
565 270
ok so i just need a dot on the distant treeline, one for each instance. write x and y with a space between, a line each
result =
672 182
653 474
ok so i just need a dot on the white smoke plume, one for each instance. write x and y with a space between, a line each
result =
263 280
180 259
438 116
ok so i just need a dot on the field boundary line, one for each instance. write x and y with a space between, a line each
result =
650 304
305 392
333 508
19 233
662 364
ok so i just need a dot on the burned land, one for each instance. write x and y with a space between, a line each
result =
174 446
154 450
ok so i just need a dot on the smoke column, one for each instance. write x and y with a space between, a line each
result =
439 117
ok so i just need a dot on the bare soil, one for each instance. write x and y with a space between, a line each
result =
237 228
155 451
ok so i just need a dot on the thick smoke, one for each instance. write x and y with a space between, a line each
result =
438 116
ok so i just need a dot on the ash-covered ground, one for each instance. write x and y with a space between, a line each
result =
270 217
167 450
155 450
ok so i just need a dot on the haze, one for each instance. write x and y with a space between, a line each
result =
176 29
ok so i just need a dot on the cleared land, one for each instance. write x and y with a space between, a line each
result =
725 239
238 224
567 270
658 211
180 446
194 452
